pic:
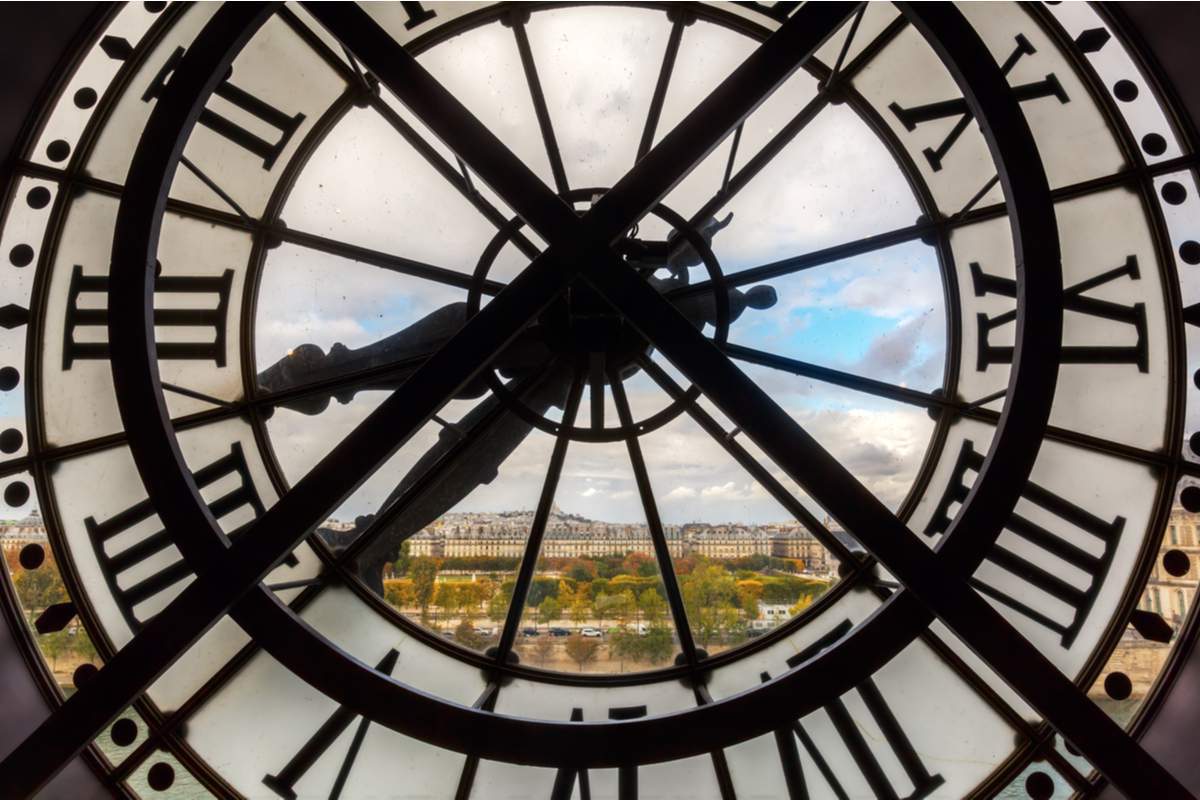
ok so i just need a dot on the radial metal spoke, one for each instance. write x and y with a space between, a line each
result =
596 376
752 466
517 19
970 410
217 190
375 258
466 779
738 181
662 549
837 377
682 18
841 56
451 175
816 258
537 529
192 393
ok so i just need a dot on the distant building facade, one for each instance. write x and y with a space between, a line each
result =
1171 596
16 533
569 536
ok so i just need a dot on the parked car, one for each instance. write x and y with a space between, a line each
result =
530 632
485 631
559 632
447 634
640 629
594 633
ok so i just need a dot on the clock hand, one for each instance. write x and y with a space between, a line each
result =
308 363
491 435
676 253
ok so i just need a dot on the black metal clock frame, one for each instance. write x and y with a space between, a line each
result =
136 373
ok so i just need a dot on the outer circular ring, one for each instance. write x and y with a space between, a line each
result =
605 744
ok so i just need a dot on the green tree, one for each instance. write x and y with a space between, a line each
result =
749 592
599 586
39 588
615 606
424 571
640 564
498 607
448 598
466 635
624 606
657 645
582 649
624 644
580 607
540 589
54 646
399 593
652 605
473 595
709 597
544 649
550 610
403 560
83 645
581 570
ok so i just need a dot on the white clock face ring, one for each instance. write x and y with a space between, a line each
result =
1050 483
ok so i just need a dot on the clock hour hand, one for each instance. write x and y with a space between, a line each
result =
308 363
702 308
677 255
476 446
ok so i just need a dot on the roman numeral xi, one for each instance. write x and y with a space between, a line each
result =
914 116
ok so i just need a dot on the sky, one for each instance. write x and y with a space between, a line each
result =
879 315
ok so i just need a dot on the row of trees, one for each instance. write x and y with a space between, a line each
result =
719 603
590 568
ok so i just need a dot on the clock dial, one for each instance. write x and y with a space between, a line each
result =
797 391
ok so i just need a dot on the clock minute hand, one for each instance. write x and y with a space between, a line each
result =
475 447
308 363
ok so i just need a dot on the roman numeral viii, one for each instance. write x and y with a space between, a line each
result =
175 308
1054 552
865 758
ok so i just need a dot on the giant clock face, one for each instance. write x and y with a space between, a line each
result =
818 372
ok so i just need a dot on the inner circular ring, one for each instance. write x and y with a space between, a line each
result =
639 427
